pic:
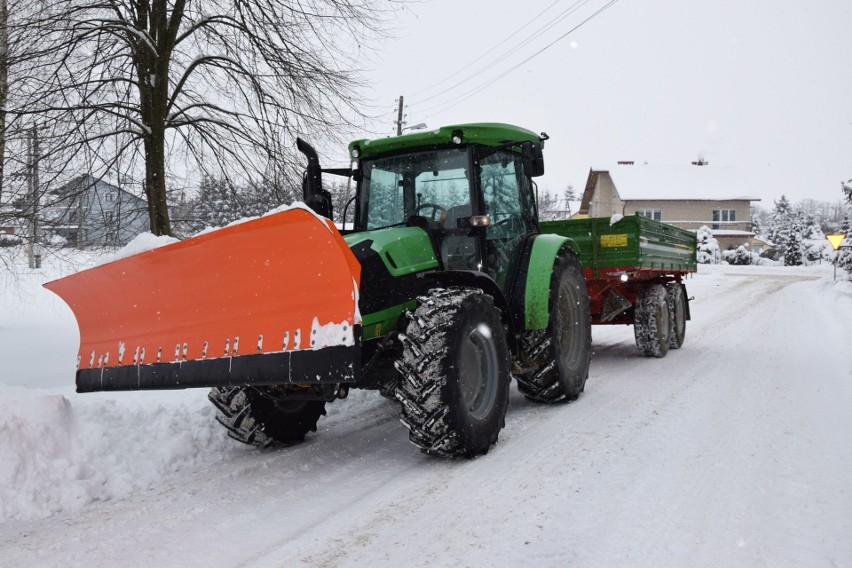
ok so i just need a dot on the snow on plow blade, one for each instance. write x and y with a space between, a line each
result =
268 301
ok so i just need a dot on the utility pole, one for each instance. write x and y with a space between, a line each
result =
33 247
4 85
399 117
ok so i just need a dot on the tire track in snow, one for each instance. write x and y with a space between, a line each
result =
660 462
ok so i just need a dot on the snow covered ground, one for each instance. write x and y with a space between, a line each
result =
735 450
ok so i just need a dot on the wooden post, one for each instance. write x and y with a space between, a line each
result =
399 117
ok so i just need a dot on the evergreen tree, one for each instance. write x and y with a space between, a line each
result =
815 246
708 246
843 257
258 198
757 226
811 228
342 194
569 195
217 203
548 206
780 222
793 254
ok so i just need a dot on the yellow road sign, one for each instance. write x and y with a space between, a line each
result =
835 240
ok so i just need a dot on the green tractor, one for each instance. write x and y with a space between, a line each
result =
456 292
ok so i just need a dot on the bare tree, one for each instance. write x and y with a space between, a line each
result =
4 85
164 85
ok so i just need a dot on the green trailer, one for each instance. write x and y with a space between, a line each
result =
635 269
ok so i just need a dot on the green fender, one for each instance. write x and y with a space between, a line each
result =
537 291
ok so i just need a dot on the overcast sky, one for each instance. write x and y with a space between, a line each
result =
764 85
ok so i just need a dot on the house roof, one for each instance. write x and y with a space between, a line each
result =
687 182
588 193
87 182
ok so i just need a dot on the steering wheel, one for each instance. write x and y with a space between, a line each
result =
512 218
438 213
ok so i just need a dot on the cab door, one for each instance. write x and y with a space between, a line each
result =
506 195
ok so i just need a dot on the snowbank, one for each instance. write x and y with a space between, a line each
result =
61 452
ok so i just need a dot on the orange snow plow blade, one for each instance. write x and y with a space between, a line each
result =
268 301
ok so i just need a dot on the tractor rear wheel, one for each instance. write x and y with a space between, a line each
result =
259 418
454 373
652 325
561 354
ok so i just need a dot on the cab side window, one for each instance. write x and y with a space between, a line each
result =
505 191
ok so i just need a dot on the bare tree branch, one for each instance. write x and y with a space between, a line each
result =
233 79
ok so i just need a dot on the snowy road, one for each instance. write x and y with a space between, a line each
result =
735 450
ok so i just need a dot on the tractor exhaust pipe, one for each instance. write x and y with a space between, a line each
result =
313 194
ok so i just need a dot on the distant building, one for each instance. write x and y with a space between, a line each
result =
9 224
91 212
687 196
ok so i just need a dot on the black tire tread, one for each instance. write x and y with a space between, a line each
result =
676 295
537 350
423 386
649 341
252 419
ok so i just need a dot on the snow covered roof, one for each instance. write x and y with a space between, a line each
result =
731 233
651 182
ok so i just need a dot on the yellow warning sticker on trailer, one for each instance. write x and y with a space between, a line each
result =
612 241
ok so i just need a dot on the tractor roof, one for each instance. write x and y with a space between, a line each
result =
485 133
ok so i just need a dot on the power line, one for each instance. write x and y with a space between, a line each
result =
481 57
520 45
490 82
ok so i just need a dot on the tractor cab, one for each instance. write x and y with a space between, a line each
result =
468 186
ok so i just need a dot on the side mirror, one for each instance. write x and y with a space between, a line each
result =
533 159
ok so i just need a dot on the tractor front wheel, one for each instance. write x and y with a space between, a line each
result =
259 418
454 373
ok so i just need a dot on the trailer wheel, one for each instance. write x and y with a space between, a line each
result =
561 353
260 419
454 385
677 304
652 325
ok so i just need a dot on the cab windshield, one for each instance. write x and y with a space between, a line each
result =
434 184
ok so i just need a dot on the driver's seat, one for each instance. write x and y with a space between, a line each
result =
458 250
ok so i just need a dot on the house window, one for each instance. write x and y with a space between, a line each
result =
721 216
110 197
655 214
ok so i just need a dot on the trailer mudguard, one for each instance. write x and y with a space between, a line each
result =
269 301
539 271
